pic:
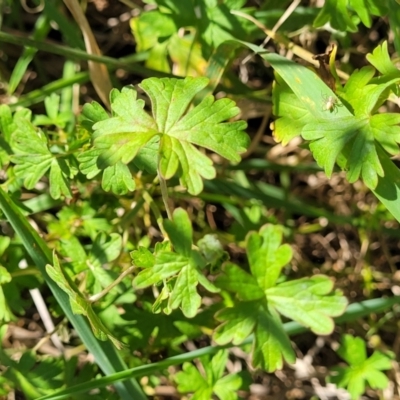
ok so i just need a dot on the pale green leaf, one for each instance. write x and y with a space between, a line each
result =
309 301
184 293
174 128
226 388
337 14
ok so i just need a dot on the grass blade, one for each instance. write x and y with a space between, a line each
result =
42 28
38 95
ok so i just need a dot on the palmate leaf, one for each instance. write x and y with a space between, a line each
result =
309 301
33 159
350 132
180 269
361 370
191 380
130 129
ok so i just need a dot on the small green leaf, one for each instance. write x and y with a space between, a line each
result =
191 380
130 128
345 133
352 350
32 157
93 112
381 61
361 370
106 248
226 388
180 270
366 8
150 26
217 24
147 157
170 99
142 257
385 129
59 172
293 114
309 301
54 116
328 139
88 161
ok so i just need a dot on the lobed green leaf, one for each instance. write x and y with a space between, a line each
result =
308 301
172 132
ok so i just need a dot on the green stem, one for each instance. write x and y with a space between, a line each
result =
99 295
164 194
35 96
157 213
129 64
